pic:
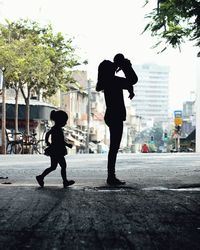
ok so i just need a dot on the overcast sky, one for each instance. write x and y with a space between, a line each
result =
102 28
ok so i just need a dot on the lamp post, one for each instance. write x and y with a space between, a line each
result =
198 106
88 117
3 116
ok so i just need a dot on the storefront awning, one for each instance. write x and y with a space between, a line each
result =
38 110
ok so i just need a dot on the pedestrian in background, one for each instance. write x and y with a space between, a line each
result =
115 114
57 148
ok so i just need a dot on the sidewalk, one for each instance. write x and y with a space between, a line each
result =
159 208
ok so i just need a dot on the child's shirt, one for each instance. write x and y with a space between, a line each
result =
58 143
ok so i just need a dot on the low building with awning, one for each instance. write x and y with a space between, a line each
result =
39 111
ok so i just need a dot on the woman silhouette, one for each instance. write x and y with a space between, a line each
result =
115 114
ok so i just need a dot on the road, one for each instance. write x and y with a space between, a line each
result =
159 208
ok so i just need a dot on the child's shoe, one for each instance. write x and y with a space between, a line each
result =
68 183
40 180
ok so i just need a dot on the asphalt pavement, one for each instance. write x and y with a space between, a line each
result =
159 208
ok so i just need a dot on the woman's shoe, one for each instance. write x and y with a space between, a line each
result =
68 183
114 182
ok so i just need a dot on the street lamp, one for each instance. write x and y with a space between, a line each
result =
88 118
198 106
1 80
3 116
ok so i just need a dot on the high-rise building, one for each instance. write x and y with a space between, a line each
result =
189 118
188 109
151 100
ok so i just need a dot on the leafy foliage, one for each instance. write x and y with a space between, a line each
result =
43 58
173 21
156 132
35 58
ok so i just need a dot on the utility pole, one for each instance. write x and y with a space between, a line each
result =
88 117
3 115
197 103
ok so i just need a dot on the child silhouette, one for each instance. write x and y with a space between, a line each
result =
57 148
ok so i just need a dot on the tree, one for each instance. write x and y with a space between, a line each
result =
8 60
152 135
157 134
41 59
34 68
173 21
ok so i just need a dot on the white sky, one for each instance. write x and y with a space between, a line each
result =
102 28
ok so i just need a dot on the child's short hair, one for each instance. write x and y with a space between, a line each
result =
58 115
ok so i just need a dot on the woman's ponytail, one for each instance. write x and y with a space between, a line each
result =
106 71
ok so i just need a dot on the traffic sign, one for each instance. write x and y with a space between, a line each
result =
178 113
178 117
178 121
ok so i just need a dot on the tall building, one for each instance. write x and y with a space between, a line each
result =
189 118
151 100
188 109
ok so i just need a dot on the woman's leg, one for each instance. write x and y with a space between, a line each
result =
116 131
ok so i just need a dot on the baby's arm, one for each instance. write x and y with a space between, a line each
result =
129 72
131 91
